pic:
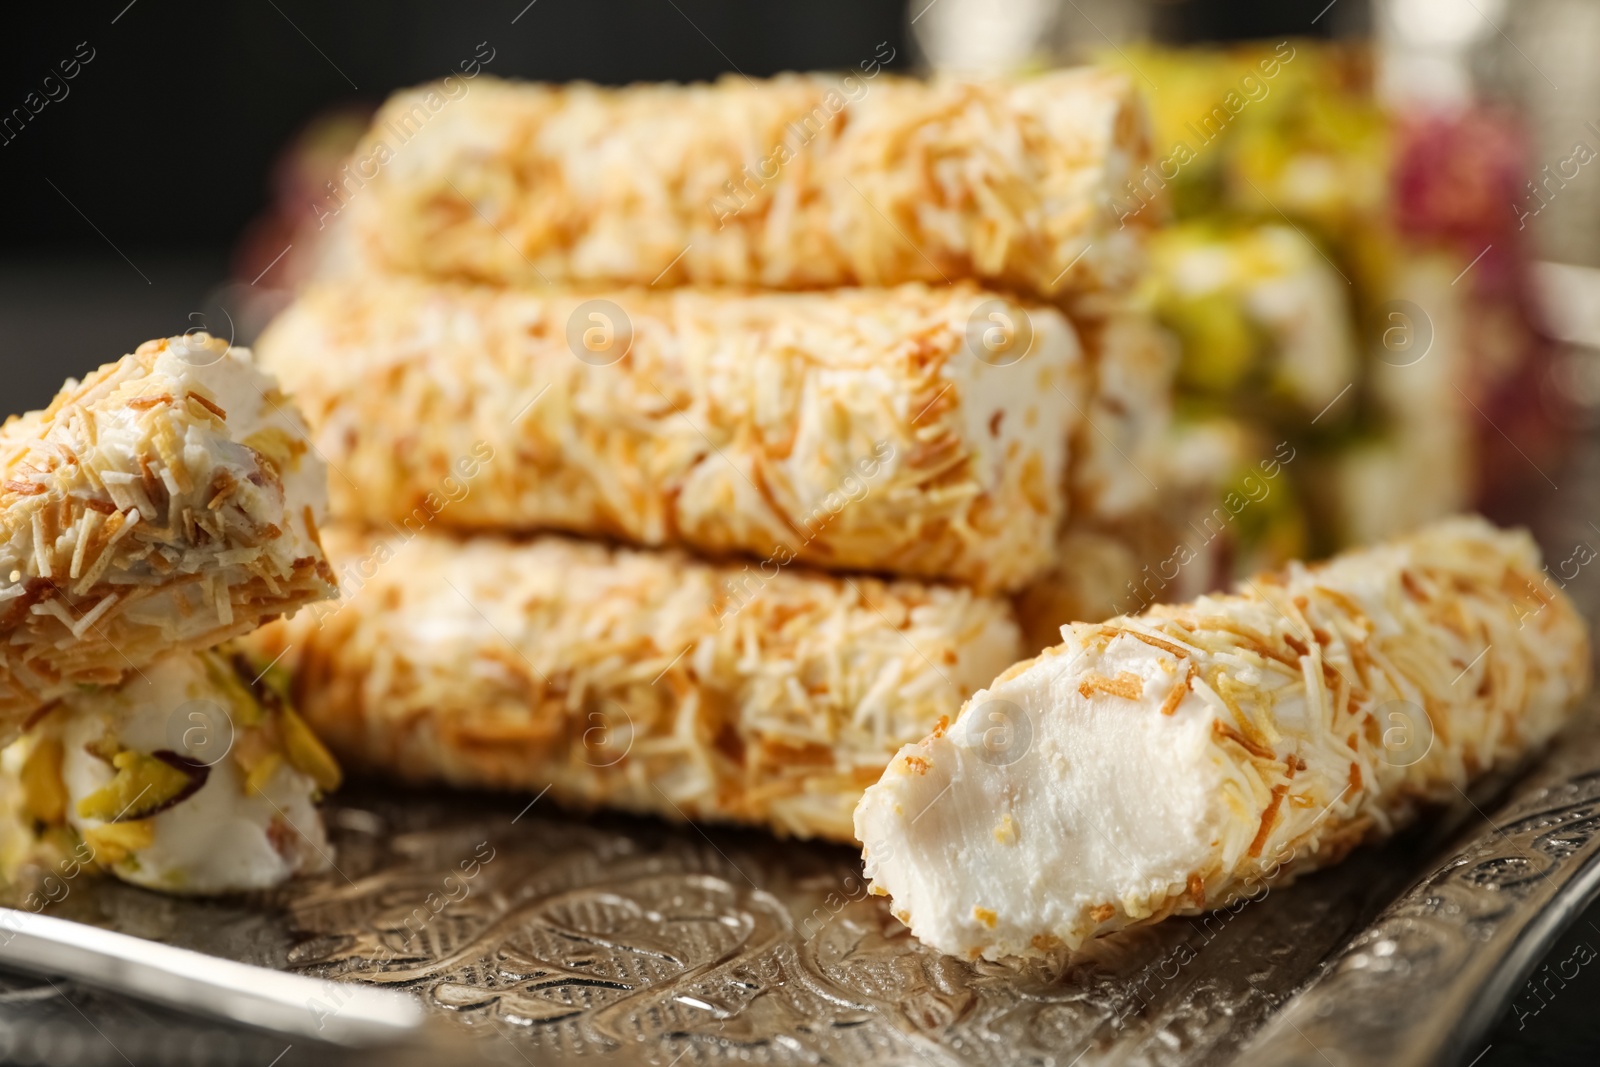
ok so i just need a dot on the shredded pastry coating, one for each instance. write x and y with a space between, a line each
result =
794 182
1271 731
641 680
851 430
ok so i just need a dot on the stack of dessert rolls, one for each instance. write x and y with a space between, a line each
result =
693 448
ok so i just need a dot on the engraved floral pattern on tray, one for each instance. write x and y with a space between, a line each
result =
545 937
1448 948
648 943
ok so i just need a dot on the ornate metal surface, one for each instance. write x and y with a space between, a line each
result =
542 938
616 938
1420 984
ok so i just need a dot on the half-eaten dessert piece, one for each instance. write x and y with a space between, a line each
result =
168 501
1174 761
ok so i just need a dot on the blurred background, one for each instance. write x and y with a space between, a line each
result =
1394 191
1389 252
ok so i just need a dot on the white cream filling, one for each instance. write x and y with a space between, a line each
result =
216 840
238 385
1041 803
1013 410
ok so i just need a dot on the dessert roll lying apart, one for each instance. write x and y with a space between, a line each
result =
194 776
1172 761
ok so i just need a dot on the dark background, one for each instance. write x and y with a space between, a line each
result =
165 138
123 200
167 135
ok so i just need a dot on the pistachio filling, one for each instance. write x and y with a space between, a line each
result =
116 842
144 786
130 777
44 794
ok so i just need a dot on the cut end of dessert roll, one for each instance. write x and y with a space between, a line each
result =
915 430
1176 760
642 680
194 776
170 500
793 182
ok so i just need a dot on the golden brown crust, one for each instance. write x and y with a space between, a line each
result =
1334 700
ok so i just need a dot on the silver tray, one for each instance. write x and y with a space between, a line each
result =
628 941
537 936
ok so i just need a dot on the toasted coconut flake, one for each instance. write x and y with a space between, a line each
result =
94 614
1184 684
143 403
1125 685
209 405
